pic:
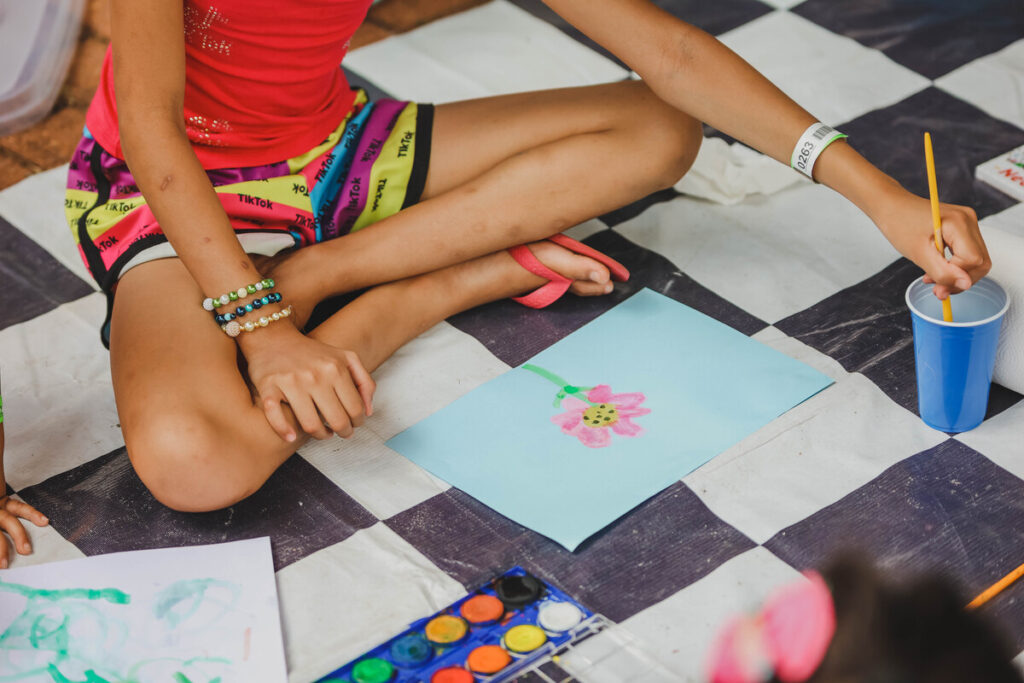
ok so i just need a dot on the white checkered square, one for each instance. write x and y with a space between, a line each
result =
810 457
343 600
772 256
782 4
994 83
59 411
36 207
833 77
1000 439
491 50
381 480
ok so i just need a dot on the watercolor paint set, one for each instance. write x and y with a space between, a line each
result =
497 632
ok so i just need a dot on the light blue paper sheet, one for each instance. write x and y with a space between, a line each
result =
706 387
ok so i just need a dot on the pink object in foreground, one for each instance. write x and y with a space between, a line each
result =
593 424
789 638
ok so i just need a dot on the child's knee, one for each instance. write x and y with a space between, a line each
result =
187 463
670 138
675 139
682 136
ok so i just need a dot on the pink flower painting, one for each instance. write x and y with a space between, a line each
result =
592 423
592 414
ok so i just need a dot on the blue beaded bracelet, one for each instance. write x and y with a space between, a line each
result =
254 305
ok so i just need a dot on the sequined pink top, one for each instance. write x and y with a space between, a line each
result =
263 79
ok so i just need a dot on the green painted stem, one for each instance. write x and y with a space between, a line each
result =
566 389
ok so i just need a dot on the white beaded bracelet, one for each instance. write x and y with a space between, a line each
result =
233 328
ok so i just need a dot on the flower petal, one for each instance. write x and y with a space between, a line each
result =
568 421
594 437
628 401
626 427
602 393
633 412
573 403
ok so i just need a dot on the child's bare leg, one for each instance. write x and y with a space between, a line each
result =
191 429
416 304
513 169
503 171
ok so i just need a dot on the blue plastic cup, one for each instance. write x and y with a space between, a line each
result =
954 360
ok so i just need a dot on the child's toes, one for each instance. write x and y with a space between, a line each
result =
589 270
572 266
590 277
588 288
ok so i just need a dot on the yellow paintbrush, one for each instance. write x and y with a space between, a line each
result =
996 588
933 191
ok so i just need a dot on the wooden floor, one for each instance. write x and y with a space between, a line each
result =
50 142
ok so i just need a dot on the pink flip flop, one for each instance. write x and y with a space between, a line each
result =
558 284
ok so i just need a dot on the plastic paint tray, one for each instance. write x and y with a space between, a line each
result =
380 664
615 655
37 41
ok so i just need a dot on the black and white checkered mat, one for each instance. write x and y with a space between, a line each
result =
365 542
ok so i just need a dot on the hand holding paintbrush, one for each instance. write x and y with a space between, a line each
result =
908 221
962 241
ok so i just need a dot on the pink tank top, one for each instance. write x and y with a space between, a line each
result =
263 79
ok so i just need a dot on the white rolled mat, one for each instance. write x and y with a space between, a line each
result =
1007 252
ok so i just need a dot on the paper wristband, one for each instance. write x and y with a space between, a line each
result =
810 146
1 410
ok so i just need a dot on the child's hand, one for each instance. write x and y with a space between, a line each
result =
11 513
907 224
327 388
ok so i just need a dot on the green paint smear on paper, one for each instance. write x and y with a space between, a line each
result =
109 594
47 621
90 676
182 599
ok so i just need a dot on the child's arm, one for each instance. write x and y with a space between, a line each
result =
697 74
149 77
13 511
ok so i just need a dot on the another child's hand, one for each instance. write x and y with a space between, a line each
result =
907 224
327 388
11 513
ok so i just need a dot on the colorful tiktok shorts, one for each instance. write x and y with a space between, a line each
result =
373 165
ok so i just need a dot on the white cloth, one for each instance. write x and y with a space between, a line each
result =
726 174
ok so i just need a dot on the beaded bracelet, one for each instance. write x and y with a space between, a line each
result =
211 303
233 328
254 305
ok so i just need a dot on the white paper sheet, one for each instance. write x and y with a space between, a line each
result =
177 615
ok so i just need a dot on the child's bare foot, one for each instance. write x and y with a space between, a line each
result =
590 278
